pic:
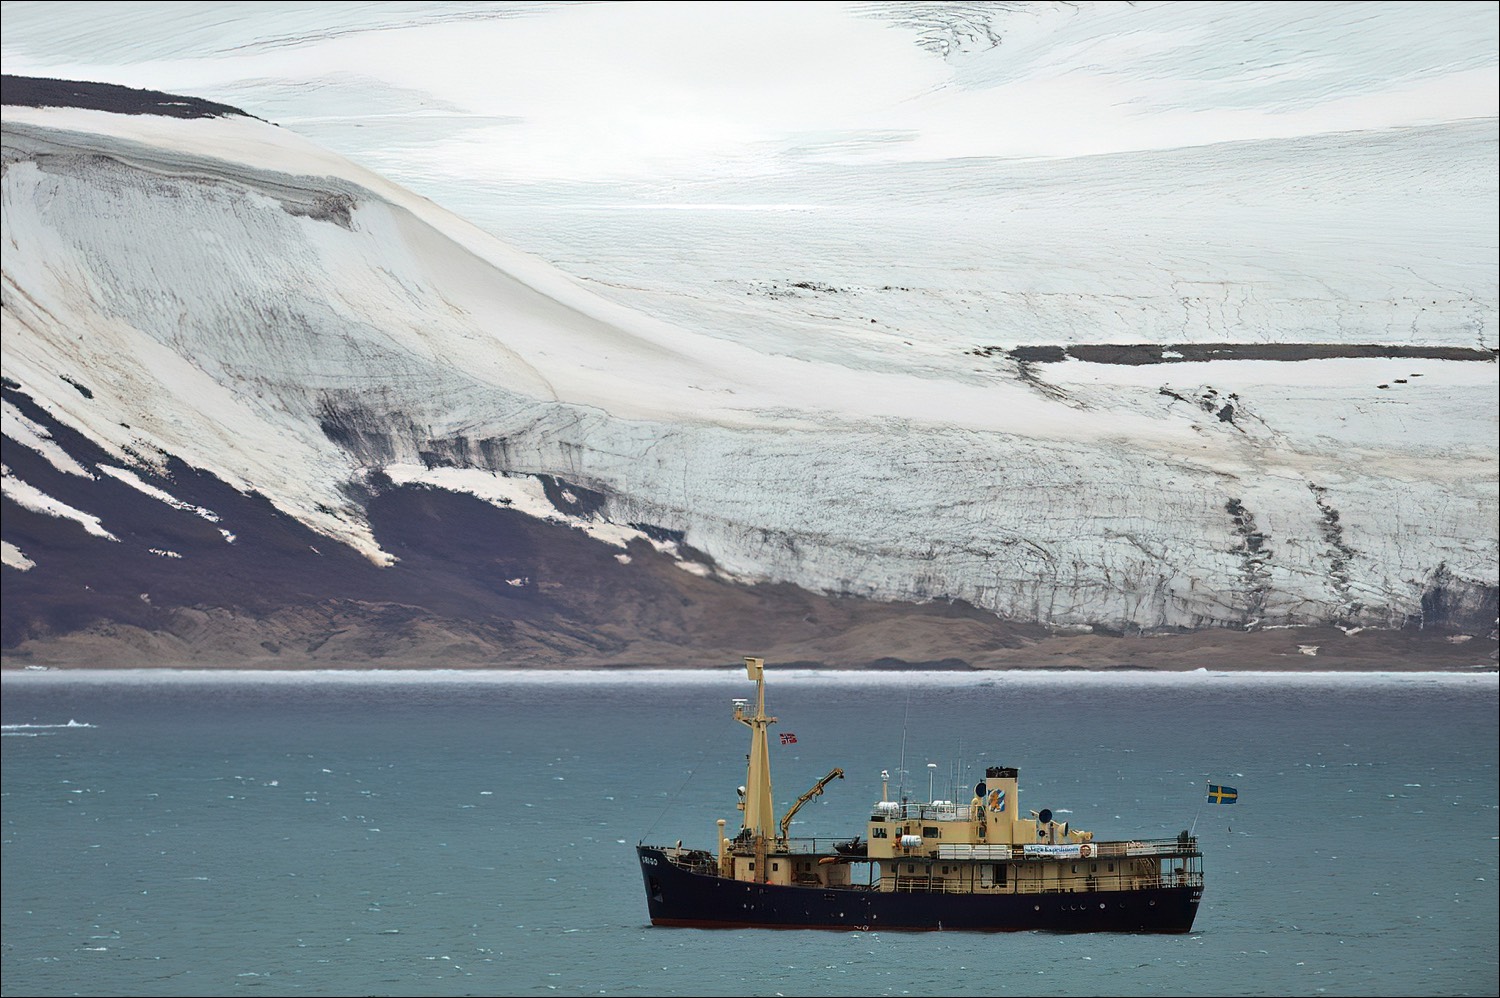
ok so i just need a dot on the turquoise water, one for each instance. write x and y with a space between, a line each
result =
448 834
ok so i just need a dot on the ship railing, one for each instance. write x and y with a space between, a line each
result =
823 846
694 860
1111 883
1180 846
928 885
1135 848
936 810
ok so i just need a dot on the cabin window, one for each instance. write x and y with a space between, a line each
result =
931 831
945 869
878 833
1075 867
911 868
1093 867
981 831
775 866
1111 868
752 864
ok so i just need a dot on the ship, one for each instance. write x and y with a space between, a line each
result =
980 865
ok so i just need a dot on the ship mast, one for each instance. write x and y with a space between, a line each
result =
760 817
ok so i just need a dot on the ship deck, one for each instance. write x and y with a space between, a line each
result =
1177 860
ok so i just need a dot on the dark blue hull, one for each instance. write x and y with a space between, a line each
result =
679 897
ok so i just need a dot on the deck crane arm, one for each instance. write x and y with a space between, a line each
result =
786 822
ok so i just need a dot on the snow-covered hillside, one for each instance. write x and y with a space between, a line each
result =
1221 384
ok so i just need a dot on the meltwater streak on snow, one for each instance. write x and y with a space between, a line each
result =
134 481
15 557
734 678
34 499
27 433
524 494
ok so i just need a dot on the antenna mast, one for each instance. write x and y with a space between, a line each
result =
760 816
901 770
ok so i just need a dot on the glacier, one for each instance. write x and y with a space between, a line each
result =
1239 385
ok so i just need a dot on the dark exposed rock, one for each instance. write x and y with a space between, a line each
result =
1254 555
475 585
30 91
1453 603
1029 358
1135 354
1340 553
573 500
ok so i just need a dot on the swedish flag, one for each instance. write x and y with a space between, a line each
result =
1218 794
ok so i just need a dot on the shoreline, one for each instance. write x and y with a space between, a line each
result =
890 642
735 677
723 670
947 647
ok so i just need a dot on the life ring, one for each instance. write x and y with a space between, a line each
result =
1086 850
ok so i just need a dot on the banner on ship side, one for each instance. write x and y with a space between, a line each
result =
1071 851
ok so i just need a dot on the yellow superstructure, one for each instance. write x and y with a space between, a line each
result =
985 845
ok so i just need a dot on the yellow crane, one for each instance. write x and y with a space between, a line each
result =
786 822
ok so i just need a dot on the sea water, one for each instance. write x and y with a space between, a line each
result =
458 833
